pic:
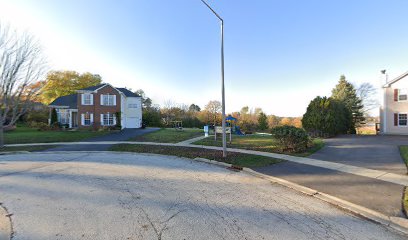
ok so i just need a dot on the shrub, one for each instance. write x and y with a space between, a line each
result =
326 117
37 116
290 138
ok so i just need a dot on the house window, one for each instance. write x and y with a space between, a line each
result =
87 99
402 94
108 100
402 119
108 119
63 116
132 105
87 119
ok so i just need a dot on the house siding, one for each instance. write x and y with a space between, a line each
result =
97 109
391 107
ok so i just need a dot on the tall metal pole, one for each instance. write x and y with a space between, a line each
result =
224 134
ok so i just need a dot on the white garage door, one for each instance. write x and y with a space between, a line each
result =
132 122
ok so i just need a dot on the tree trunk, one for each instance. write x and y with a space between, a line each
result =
1 136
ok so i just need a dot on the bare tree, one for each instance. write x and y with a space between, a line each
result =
21 65
368 94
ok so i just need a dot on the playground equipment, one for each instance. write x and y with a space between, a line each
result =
238 131
231 122
178 125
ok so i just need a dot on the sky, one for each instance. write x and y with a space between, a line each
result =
279 54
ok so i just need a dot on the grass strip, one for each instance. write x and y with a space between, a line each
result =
239 159
169 135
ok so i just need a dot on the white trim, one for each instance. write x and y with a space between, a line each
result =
83 99
399 119
385 111
398 95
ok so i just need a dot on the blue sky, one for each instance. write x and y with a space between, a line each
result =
278 54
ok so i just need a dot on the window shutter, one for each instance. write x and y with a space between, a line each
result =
101 99
91 99
114 119
91 118
82 119
114 100
82 99
395 119
101 119
395 95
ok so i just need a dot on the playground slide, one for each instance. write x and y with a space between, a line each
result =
238 131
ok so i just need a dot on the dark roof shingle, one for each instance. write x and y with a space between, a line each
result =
69 100
93 88
127 92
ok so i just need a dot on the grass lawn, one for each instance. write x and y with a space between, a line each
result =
169 135
25 134
264 143
404 155
26 148
240 159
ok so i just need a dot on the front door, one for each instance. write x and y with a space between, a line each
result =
74 119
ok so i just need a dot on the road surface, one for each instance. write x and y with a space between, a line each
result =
139 196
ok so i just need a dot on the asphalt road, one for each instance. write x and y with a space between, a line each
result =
138 196
123 135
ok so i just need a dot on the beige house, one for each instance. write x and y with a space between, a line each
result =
394 110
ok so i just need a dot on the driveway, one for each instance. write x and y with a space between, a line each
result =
123 135
375 152
138 196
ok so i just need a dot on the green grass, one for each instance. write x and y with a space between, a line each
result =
169 135
26 148
263 143
404 153
30 135
240 159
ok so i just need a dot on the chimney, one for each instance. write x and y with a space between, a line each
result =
384 77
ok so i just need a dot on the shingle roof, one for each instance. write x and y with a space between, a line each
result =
396 79
93 88
69 100
127 92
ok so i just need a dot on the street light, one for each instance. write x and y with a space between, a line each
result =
224 135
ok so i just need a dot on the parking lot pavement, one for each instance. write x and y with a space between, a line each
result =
139 196
378 152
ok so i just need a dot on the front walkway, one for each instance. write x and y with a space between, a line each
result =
123 135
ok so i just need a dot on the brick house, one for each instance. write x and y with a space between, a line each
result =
394 110
99 106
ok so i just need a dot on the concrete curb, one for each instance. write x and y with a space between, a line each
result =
6 230
397 223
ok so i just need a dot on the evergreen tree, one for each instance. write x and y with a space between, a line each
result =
346 93
326 116
54 116
262 121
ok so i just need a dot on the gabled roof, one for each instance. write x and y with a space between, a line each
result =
388 84
127 92
69 101
93 88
